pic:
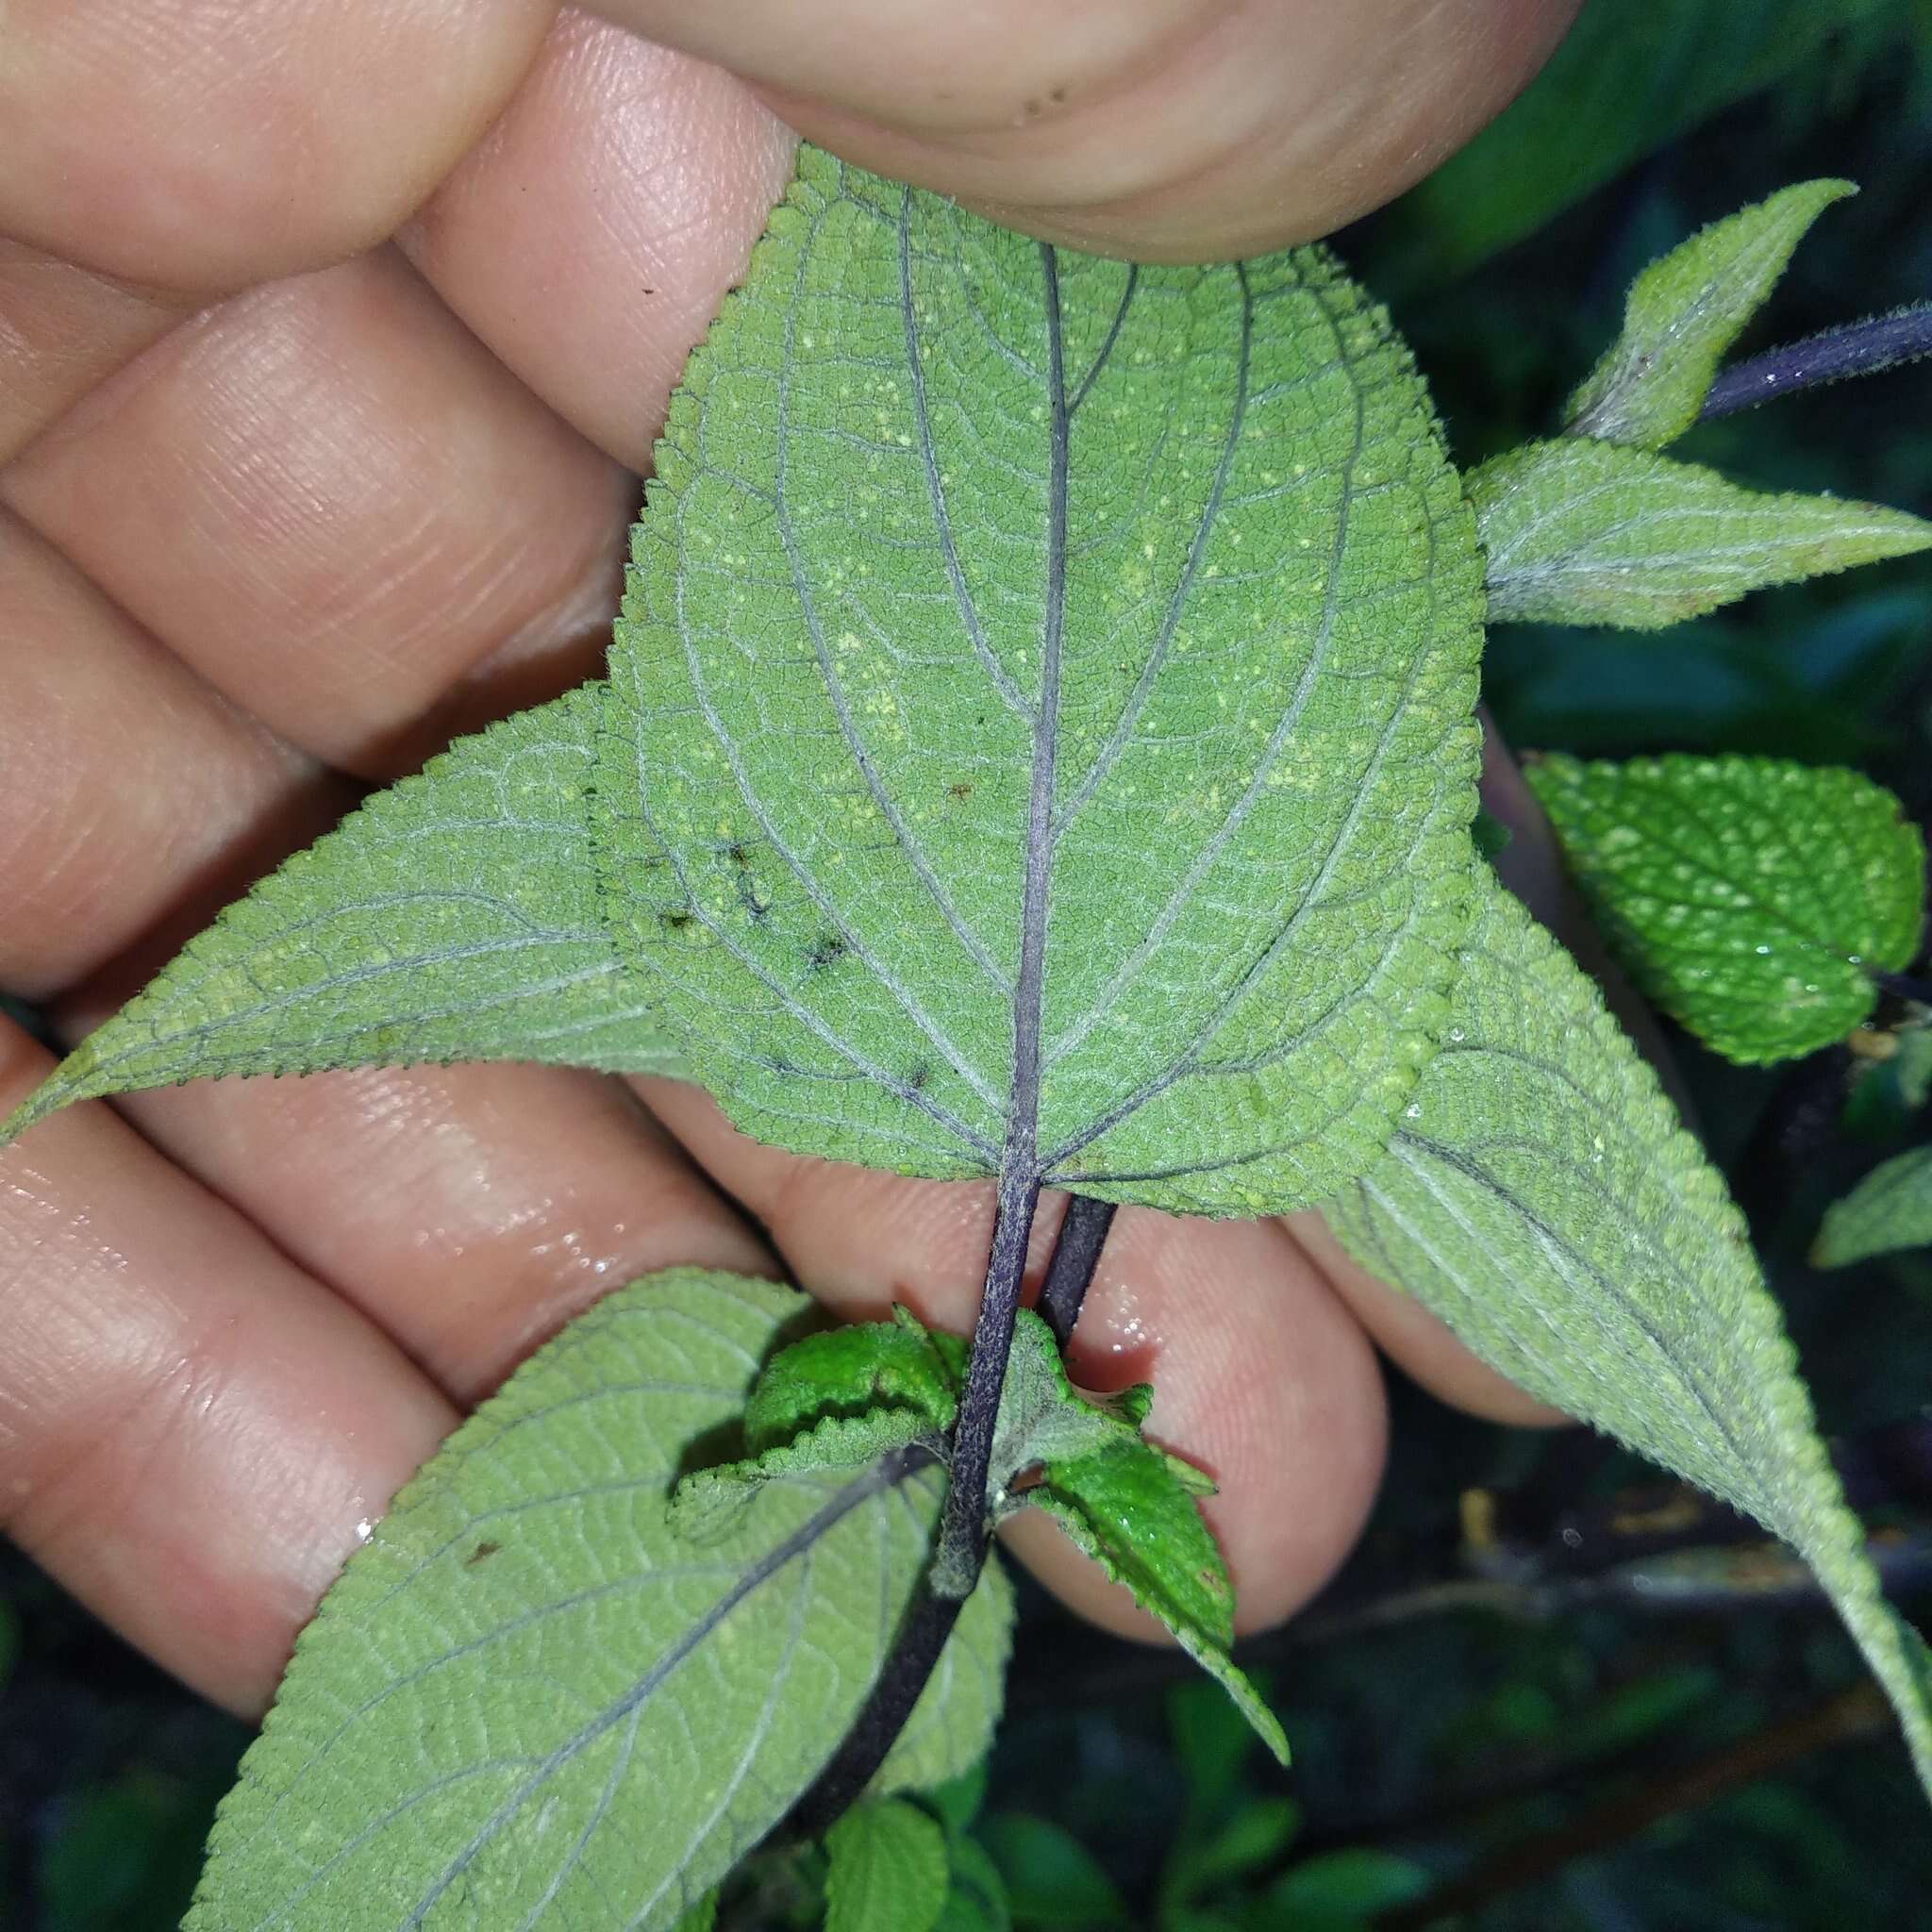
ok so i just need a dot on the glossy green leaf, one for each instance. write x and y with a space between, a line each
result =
1629 78
527 1697
1750 898
1889 1210
853 1371
1052 1879
1684 313
1041 710
1346 1891
1543 1200
453 917
1581 532
887 1870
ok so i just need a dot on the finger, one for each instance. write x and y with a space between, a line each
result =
62 330
327 498
202 146
127 785
469 1211
193 1434
1164 129
1260 1376
588 240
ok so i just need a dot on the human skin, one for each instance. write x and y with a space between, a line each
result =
332 342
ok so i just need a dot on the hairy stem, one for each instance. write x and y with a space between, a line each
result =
1069 1274
963 1534
1858 348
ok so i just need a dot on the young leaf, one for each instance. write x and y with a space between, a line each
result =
1041 728
1123 1502
1543 1200
854 1370
1889 1210
526 1698
1054 1881
1684 313
1580 532
1750 898
453 917
887 1870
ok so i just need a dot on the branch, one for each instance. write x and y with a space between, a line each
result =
1857 348
1069 1274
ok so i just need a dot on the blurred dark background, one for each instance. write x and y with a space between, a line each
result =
1551 1692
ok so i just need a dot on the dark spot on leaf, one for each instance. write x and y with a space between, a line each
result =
825 953
917 1078
962 789
675 922
736 854
480 1553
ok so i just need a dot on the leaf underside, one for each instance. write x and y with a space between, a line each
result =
1542 1199
1890 1210
1750 898
1591 533
529 1697
453 917
1040 728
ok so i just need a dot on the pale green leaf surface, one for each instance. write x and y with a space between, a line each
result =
1915 1064
1543 1200
1582 532
1041 720
452 917
526 1697
887 1870
1889 1210
1684 311
1750 898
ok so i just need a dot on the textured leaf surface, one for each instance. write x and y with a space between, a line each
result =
1041 720
1684 313
853 1371
1543 1200
1581 532
527 1698
1889 1210
453 917
887 1870
1750 898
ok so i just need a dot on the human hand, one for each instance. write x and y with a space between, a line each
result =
333 341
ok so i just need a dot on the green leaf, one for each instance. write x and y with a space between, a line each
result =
1256 1835
1631 75
1684 313
1889 1210
1052 1879
702 1916
1913 1065
1041 710
854 1371
526 1697
1346 1890
1750 898
452 917
1543 1200
976 1900
1580 532
888 1870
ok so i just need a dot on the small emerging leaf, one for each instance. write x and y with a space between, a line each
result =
526 1698
1684 313
887 1870
1543 1200
854 1370
1889 1210
1750 898
1588 533
1124 1502
452 917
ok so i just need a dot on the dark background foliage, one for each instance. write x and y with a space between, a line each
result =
1550 1692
